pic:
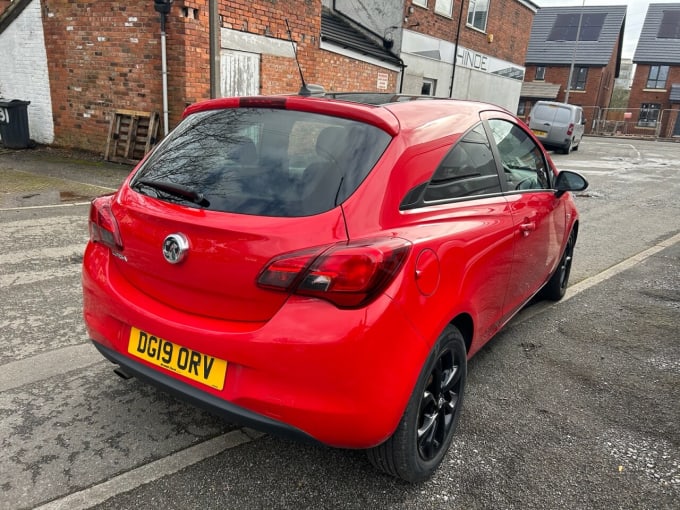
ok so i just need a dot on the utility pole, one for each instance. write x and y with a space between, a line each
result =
573 55
215 38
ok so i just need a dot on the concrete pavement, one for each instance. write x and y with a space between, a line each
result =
48 176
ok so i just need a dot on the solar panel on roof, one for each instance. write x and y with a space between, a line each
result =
566 26
670 25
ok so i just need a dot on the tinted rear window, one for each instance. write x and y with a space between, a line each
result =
260 161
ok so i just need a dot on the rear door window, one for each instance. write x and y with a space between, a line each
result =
562 116
468 169
261 161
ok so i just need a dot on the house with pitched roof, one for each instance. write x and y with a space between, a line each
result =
655 94
583 43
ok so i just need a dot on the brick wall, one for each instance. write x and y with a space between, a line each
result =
106 55
509 23
507 32
639 94
102 56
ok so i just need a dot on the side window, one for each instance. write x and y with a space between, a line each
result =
523 163
468 169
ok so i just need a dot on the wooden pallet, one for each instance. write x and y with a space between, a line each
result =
131 135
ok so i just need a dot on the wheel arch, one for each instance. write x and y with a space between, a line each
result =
466 327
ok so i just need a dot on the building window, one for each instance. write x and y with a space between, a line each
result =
444 7
657 77
429 87
421 3
521 109
649 114
540 73
579 78
478 12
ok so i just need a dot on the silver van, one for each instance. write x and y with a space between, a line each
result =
558 126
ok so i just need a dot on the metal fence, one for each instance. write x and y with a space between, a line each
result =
627 122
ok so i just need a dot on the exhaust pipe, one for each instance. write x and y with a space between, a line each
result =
120 372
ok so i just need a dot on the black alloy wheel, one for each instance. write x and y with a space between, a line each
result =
556 287
422 438
438 405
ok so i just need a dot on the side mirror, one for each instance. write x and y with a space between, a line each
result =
569 181
583 121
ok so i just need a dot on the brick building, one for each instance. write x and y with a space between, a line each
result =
488 38
78 63
595 53
654 101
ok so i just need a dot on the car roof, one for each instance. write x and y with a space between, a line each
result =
391 112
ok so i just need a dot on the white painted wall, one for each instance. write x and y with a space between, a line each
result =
477 75
23 70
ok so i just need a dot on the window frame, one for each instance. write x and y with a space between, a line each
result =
443 12
540 73
577 81
473 12
433 87
656 82
547 169
420 3
646 109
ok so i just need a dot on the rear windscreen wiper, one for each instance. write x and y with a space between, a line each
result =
177 190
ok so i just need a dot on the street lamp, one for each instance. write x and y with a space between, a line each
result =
573 55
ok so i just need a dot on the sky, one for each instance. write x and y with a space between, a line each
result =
635 16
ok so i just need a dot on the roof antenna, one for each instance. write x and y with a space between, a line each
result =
304 91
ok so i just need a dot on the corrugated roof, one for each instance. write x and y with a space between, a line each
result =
654 50
675 93
541 51
334 29
540 90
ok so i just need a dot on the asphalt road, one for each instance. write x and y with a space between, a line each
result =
574 405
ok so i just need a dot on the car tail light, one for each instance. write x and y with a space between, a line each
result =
103 225
262 102
571 129
348 275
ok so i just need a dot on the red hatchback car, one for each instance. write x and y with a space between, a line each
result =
323 268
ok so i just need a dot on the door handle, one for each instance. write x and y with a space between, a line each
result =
527 227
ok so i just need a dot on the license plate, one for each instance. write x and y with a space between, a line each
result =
181 360
539 133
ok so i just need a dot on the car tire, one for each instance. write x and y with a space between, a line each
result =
424 433
556 287
567 149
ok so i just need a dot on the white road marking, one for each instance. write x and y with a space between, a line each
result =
586 284
29 277
22 372
73 204
150 472
43 253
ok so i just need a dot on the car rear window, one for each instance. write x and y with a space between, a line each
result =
261 161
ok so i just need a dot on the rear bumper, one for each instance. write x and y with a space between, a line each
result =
312 372
225 410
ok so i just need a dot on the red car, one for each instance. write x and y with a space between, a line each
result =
323 268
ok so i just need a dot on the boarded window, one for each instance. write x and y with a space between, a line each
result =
240 73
